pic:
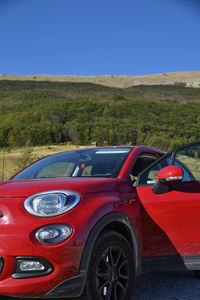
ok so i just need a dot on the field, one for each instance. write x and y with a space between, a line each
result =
13 160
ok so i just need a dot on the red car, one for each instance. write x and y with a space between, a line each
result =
85 223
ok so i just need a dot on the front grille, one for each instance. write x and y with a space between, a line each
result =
1 264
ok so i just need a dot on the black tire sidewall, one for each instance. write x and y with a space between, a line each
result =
106 240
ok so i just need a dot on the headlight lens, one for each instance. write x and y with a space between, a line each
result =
51 203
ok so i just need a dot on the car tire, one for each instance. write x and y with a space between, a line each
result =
111 271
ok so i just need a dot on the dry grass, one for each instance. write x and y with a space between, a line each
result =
11 157
119 81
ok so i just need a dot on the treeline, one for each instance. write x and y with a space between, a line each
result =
39 113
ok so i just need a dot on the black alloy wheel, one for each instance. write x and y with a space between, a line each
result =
111 273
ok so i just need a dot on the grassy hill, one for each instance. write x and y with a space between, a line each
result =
190 79
38 113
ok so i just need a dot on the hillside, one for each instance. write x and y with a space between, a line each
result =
40 113
190 79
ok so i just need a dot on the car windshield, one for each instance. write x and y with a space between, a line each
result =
94 162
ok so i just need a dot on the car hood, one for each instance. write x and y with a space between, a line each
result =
25 188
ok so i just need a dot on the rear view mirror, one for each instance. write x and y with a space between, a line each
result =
170 174
166 176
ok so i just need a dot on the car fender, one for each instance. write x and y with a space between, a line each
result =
98 228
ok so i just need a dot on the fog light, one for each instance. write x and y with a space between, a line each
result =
31 266
53 234
27 266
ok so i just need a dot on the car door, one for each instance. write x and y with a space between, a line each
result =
174 214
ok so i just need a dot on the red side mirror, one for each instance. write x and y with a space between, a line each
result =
170 174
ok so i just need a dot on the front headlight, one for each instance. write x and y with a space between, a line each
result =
51 203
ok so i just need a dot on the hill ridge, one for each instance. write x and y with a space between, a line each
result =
188 78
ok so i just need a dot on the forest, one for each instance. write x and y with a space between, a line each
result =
42 113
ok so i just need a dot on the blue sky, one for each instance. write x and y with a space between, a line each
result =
90 37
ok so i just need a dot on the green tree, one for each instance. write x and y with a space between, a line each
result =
25 158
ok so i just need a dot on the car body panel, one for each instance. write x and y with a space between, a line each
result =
13 188
176 213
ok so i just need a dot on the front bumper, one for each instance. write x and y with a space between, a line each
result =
72 287
53 284
17 239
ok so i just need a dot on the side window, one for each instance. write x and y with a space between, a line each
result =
149 176
190 157
186 174
141 163
187 159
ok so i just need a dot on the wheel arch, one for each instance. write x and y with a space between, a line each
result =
117 222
